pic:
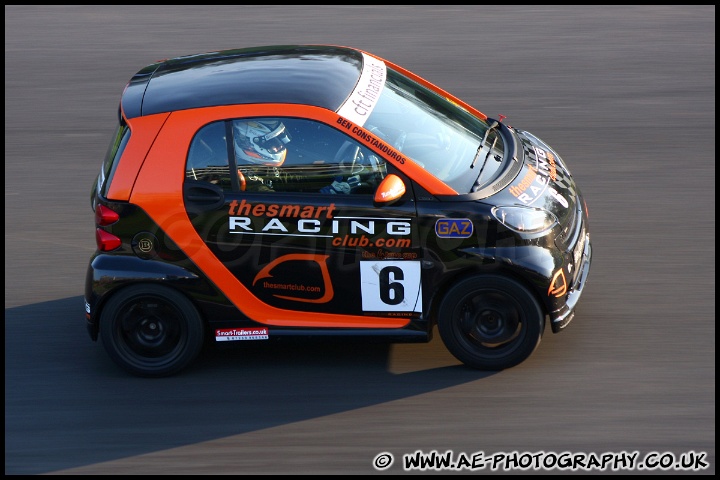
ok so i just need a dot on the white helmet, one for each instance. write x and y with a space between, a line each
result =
260 142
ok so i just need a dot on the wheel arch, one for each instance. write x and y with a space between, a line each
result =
441 290
107 275
151 329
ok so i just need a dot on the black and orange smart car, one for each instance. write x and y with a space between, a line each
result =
321 190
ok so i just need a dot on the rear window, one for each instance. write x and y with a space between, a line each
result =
114 152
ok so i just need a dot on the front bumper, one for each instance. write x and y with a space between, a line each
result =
561 317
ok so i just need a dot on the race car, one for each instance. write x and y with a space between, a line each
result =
307 190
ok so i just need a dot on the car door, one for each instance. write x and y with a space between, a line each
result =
300 239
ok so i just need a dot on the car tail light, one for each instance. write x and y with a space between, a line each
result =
104 216
106 241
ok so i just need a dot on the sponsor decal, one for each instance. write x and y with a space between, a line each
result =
288 288
372 140
363 99
535 182
386 254
234 334
274 210
390 286
453 228
312 221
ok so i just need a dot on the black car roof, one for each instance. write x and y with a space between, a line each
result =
322 76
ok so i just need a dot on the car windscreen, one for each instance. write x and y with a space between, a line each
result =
436 133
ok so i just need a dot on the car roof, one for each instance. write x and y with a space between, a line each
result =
318 75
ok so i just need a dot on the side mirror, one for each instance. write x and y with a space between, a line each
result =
390 189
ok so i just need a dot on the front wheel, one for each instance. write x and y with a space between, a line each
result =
490 322
151 330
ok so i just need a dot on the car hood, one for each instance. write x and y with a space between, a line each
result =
543 181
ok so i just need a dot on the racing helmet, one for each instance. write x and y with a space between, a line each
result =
260 142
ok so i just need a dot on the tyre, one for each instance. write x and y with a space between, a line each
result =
151 330
490 322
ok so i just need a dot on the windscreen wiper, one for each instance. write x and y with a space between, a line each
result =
492 127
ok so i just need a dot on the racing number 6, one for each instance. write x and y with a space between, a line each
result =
391 293
390 286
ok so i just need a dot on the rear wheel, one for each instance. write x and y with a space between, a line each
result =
490 322
151 330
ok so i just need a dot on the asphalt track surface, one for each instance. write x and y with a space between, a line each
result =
625 94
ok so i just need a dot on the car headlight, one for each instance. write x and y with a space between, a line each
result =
525 219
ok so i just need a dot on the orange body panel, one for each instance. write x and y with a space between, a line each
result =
143 132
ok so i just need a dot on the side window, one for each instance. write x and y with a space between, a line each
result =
282 154
208 157
302 156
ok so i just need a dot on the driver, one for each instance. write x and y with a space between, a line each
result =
260 148
260 151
